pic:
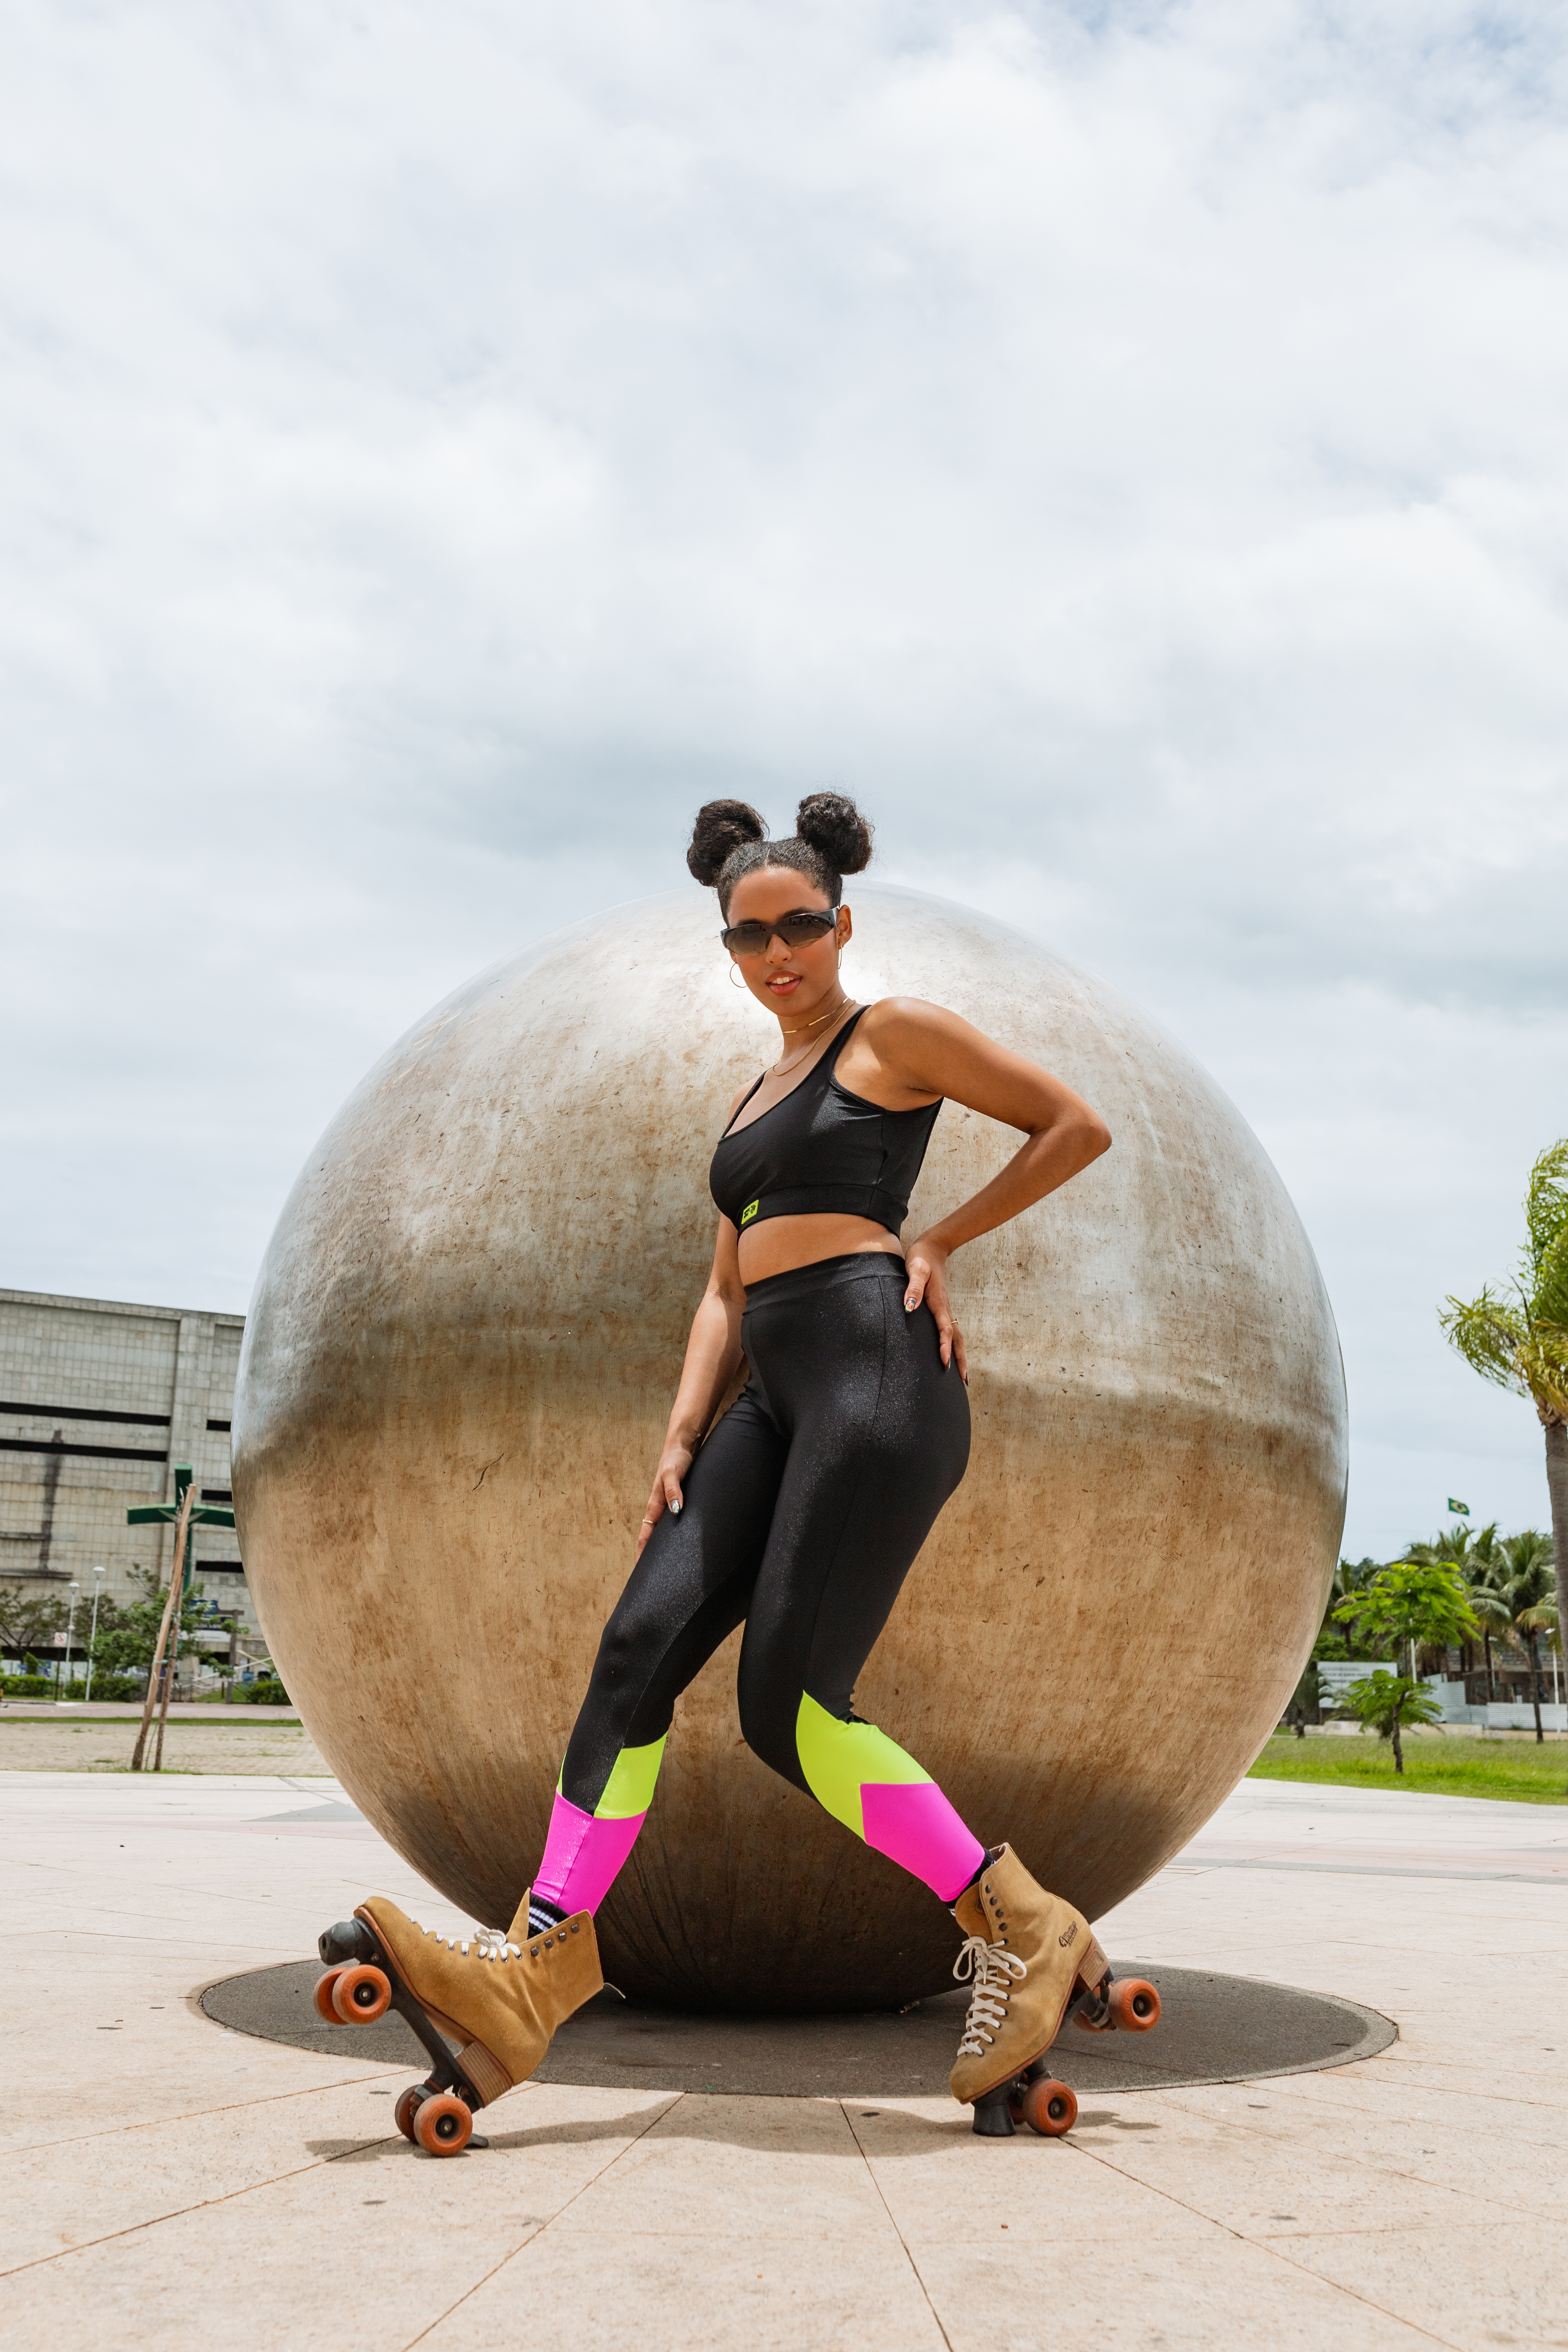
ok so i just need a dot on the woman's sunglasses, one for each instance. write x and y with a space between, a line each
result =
802 930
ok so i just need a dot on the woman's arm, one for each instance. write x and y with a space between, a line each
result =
712 1359
925 1050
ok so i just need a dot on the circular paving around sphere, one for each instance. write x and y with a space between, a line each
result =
1213 2029
457 1370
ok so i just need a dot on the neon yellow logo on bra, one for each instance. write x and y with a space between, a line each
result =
749 1210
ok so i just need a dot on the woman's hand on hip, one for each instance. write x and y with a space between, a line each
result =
927 1286
667 1496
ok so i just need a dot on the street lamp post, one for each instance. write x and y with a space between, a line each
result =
92 1637
70 1629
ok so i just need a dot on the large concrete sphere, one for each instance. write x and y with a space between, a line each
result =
458 1368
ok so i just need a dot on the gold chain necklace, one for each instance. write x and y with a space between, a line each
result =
782 1069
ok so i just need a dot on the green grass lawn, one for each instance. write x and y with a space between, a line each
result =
1515 1768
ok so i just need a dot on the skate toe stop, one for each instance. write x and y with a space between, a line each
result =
994 2114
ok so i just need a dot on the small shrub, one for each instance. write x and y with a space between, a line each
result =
120 1687
265 1691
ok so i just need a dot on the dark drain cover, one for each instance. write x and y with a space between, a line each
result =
1214 2029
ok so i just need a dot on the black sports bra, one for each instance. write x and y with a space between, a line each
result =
821 1149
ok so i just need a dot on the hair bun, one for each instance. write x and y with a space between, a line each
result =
722 829
836 829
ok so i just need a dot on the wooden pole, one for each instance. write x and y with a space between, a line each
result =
172 1665
182 1526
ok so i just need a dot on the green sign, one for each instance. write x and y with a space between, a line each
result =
203 1515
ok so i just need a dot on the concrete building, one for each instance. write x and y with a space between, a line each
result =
99 1401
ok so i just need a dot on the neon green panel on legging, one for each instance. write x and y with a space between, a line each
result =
628 1791
839 1758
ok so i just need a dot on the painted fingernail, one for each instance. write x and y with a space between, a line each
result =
676 1508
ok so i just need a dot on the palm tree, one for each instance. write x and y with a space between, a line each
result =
1451 1546
1486 1576
1546 1619
1521 1342
1528 1595
1484 1572
1385 1702
1349 1577
1480 1560
1422 1602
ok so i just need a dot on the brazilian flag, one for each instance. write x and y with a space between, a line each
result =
1463 1508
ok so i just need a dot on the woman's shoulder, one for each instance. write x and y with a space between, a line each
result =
924 1047
910 1042
895 1019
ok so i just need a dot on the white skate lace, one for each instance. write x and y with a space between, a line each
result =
489 1943
995 1971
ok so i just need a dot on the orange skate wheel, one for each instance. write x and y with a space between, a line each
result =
1134 2005
1050 2108
407 2107
324 1996
443 2125
360 1995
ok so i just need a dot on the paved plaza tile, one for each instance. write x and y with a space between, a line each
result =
170 2183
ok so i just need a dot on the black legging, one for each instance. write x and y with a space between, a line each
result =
803 1513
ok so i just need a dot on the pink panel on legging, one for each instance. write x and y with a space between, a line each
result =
581 1856
912 1823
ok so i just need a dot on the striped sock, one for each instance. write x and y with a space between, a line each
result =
543 1915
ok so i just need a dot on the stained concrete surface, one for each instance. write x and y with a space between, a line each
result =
169 2182
1213 2029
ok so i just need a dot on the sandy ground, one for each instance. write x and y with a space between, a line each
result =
29 1745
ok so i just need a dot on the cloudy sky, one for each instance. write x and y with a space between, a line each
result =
1127 445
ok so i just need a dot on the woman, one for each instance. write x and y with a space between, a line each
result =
801 1509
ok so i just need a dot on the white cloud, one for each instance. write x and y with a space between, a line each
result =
1127 445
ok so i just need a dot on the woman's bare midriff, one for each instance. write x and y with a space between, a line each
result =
780 1244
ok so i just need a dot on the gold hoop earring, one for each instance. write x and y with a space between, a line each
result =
735 979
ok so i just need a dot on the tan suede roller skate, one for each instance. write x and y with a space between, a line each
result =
1032 1957
499 1998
